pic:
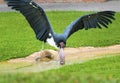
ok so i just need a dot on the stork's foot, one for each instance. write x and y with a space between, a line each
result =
37 59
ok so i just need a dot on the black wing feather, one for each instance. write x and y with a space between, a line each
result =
95 20
35 15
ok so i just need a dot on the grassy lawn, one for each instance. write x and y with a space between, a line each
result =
102 70
17 39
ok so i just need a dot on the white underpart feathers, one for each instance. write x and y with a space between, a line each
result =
51 41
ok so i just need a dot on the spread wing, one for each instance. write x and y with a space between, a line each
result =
95 20
34 14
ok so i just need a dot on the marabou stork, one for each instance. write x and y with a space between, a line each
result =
38 21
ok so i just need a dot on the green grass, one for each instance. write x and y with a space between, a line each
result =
17 39
102 70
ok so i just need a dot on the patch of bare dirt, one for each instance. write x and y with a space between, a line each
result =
71 54
47 59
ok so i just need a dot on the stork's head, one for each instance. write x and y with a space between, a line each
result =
61 44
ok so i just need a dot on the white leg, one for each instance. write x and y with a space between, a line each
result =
40 52
42 46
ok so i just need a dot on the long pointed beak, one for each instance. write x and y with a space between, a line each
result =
62 56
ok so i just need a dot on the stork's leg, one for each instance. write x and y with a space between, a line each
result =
42 46
40 52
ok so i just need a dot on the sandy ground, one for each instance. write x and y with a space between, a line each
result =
49 59
71 54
